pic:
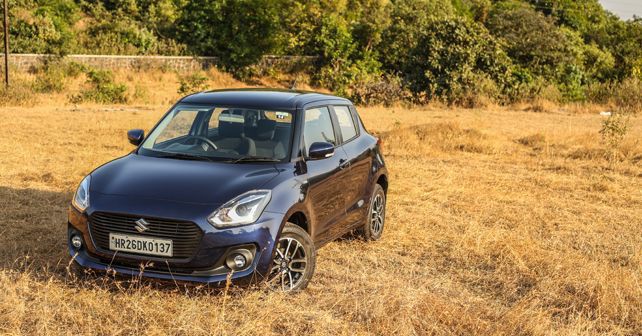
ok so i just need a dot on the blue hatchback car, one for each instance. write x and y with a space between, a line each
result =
245 183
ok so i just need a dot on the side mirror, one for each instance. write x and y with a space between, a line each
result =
135 136
321 150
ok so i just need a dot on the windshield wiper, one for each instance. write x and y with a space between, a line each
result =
254 159
185 156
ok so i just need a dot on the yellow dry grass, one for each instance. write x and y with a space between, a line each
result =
499 222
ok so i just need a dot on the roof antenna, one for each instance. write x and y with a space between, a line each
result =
293 85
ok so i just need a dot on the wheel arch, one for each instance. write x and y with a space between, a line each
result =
300 219
382 180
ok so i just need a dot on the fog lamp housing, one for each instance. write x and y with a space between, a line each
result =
76 241
239 259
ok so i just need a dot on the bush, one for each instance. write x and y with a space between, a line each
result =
600 93
192 83
335 46
533 40
409 19
120 37
52 79
102 89
385 90
451 59
483 94
628 96
52 75
625 95
613 131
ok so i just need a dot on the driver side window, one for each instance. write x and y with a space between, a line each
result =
178 126
318 127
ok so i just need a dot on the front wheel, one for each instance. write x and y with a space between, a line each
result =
294 260
376 216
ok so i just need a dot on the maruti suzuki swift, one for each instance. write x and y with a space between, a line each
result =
240 183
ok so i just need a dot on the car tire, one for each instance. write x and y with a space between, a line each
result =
294 260
375 219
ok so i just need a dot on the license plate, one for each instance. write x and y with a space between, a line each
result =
141 245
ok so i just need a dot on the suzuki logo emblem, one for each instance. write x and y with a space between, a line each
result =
141 225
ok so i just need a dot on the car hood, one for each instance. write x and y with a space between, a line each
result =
186 181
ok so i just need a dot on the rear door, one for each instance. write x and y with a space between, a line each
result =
326 177
359 159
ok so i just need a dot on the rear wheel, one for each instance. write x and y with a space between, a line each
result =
294 260
376 216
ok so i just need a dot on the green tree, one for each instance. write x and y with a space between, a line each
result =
452 58
532 40
586 16
43 26
301 21
408 20
624 41
238 32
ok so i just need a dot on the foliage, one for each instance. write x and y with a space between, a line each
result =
624 40
335 47
18 93
52 75
628 95
239 32
532 40
45 27
599 63
613 131
624 95
409 18
585 17
102 89
569 47
191 83
386 90
452 57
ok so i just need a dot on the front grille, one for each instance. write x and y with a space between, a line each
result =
186 236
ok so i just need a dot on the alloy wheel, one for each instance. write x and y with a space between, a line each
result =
377 214
289 265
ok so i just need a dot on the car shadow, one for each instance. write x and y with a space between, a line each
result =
34 228
33 239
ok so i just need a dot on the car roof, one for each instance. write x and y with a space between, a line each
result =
267 99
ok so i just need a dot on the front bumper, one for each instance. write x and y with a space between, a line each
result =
206 265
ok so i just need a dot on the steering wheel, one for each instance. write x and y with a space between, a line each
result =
203 139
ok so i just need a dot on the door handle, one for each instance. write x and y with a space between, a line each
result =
343 164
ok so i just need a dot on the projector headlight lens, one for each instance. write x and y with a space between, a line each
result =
242 210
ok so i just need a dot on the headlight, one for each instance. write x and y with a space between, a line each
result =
242 210
81 197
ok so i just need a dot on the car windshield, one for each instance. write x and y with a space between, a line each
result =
221 133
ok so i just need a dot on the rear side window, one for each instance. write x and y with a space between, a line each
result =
346 123
318 127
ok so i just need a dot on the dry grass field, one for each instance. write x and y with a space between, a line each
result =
499 222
